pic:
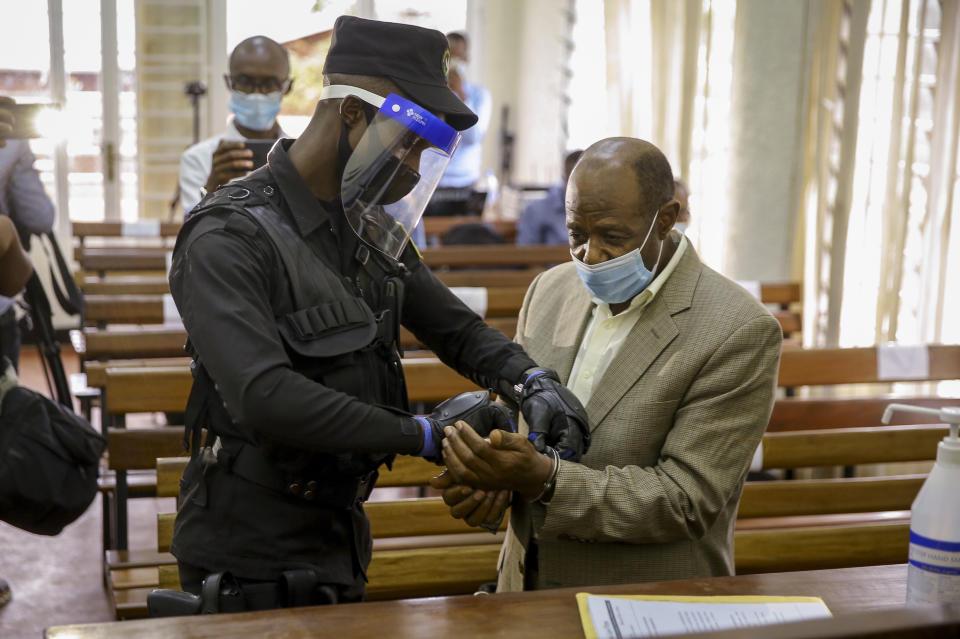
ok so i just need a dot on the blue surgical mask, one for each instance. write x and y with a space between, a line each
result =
255 111
620 279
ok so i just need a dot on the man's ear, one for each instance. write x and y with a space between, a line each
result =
352 111
289 87
667 218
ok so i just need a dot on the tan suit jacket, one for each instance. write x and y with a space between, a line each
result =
675 421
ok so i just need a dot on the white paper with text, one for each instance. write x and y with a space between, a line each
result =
633 617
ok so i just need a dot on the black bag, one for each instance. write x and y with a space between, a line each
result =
49 460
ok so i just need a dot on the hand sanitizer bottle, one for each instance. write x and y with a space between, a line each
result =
933 574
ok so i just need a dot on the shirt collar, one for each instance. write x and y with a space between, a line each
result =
646 296
307 211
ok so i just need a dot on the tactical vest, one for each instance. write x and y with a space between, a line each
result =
341 333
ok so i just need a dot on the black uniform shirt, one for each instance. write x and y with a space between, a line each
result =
230 286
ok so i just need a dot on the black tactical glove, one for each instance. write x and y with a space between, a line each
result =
473 407
554 414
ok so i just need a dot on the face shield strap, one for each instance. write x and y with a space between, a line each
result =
340 91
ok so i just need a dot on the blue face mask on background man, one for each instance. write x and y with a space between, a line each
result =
256 111
620 279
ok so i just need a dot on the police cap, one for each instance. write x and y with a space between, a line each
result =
414 58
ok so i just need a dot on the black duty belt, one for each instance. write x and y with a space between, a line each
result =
250 464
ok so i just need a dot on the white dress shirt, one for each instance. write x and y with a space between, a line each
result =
607 332
196 162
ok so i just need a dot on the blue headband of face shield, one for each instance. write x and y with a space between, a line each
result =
401 110
421 122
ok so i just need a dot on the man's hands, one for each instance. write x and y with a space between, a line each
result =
506 462
476 507
230 160
6 120
474 408
554 414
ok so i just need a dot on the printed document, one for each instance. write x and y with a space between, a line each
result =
623 617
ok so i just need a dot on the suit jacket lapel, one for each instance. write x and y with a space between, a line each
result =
571 322
652 333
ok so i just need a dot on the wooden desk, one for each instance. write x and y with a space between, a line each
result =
549 613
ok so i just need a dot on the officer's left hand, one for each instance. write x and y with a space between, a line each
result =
507 461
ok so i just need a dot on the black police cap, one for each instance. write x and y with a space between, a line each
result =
414 58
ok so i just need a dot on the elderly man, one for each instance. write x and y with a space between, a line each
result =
259 78
676 366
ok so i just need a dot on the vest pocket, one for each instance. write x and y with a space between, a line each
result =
328 330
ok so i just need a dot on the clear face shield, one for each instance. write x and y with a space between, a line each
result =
393 171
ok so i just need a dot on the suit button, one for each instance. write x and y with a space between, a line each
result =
294 488
311 486
308 495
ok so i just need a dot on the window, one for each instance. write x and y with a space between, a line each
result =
890 202
70 161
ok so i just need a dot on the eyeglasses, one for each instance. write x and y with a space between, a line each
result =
247 84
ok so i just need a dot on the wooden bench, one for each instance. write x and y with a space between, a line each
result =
122 342
890 496
100 259
430 380
503 308
782 294
435 225
438 226
781 525
85 231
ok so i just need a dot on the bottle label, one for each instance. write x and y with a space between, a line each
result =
934 572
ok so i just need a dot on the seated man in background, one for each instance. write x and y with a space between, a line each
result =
25 208
463 172
544 221
259 78
682 195
677 368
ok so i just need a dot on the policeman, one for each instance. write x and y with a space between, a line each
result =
292 284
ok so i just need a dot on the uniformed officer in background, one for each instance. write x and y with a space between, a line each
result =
292 284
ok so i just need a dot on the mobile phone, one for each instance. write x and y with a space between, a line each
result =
25 119
260 149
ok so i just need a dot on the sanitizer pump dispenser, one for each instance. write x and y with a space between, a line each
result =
933 575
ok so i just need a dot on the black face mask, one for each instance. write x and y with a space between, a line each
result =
386 168
402 180
371 186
